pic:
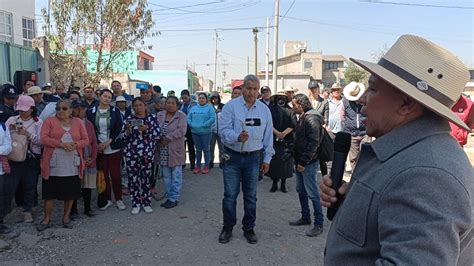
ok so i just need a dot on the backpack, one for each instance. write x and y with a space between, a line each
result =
326 146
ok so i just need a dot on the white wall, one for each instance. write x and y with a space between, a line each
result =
19 9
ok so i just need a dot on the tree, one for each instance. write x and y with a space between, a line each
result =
102 28
354 73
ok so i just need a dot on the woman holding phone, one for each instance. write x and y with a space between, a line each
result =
107 122
139 135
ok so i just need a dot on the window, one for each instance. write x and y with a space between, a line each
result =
330 65
308 65
28 32
6 28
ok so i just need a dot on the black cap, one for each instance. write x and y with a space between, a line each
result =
78 103
157 88
8 91
313 84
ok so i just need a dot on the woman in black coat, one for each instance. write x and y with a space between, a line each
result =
284 122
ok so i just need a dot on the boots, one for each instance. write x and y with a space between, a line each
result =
283 186
274 186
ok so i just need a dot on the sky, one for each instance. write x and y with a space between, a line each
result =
185 30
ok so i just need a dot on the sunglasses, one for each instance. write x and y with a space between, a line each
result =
63 108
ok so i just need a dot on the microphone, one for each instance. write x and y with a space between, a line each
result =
342 145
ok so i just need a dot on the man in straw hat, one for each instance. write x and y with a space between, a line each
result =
336 109
410 200
353 122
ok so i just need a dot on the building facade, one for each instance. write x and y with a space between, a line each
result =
17 22
298 66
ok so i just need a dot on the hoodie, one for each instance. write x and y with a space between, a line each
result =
201 118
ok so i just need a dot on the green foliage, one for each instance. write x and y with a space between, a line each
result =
354 73
109 27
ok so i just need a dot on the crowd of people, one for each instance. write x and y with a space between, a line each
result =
80 139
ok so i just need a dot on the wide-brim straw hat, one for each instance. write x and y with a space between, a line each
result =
428 73
279 93
290 89
353 91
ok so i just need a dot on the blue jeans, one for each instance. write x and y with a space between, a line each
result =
238 169
173 181
28 173
307 187
202 143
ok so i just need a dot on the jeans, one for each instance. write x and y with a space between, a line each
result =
111 166
238 169
173 181
307 187
28 173
202 143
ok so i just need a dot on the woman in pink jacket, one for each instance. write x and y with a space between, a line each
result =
62 165
172 155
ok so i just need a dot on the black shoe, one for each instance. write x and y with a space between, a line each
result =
42 226
274 188
283 188
169 204
225 236
4 229
211 165
89 214
251 236
164 203
315 231
300 221
67 225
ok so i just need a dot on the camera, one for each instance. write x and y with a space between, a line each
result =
136 122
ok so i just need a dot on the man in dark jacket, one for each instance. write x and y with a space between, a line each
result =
353 122
308 135
9 97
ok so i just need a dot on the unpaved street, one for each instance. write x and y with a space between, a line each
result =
184 235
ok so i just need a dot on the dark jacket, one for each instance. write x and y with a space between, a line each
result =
283 118
308 137
6 112
353 119
116 123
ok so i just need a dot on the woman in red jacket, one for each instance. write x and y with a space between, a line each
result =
62 165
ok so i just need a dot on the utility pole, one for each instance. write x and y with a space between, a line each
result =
255 42
224 73
275 47
267 51
248 64
215 65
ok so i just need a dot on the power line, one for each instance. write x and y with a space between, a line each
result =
288 10
179 7
211 29
415 4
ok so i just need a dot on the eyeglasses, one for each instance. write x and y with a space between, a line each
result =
63 108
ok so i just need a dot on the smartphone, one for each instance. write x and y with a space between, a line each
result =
136 122
253 122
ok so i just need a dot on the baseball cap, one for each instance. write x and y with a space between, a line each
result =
78 103
46 85
24 103
120 99
8 91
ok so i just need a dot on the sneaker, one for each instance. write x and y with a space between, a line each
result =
197 170
27 218
120 205
135 210
315 231
148 209
205 170
109 203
